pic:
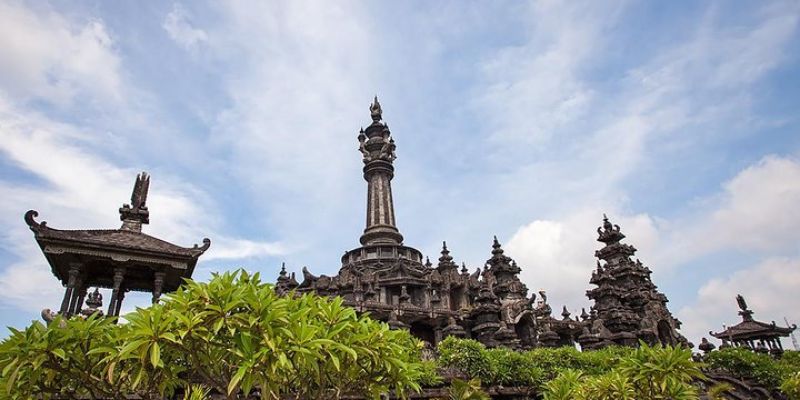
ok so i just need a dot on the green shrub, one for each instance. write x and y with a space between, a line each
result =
465 355
646 373
467 390
513 368
791 386
745 364
565 386
233 334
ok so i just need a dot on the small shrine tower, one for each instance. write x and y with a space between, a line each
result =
627 305
121 259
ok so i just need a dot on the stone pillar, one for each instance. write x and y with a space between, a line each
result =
72 281
119 272
120 297
80 295
158 284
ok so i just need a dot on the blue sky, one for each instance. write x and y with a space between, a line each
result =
525 120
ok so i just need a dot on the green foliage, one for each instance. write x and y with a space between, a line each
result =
492 366
718 391
646 373
466 355
566 386
512 368
232 334
56 362
746 364
554 361
613 385
429 376
661 372
791 386
467 390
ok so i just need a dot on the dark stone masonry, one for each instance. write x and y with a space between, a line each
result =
395 284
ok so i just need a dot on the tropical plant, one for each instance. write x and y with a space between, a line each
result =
718 391
467 390
234 335
661 372
566 386
646 373
745 364
609 386
791 386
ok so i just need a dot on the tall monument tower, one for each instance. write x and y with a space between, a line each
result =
377 148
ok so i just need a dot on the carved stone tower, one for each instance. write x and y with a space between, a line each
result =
627 305
377 147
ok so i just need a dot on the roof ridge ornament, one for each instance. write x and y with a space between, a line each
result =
135 214
31 221
375 110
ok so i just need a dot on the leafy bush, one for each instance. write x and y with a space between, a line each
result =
565 386
467 356
499 366
647 373
512 368
234 335
467 390
555 360
745 364
791 386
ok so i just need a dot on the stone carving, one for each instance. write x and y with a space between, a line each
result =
627 305
396 284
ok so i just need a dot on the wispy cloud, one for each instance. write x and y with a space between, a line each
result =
181 30
47 57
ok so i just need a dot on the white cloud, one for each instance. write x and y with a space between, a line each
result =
535 89
755 212
46 56
80 189
181 30
758 210
298 96
770 288
558 256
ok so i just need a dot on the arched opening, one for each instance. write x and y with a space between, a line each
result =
525 330
423 332
665 334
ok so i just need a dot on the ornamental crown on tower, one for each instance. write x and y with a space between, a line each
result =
376 143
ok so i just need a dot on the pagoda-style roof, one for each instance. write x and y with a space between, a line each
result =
750 329
97 253
112 239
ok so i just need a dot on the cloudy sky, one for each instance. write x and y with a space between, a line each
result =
525 120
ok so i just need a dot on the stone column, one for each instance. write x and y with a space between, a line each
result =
158 284
80 295
119 272
74 272
120 297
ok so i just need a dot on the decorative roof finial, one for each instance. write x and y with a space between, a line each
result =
497 249
135 214
609 233
446 258
140 189
747 315
375 110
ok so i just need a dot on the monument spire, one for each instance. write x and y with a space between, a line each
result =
377 148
